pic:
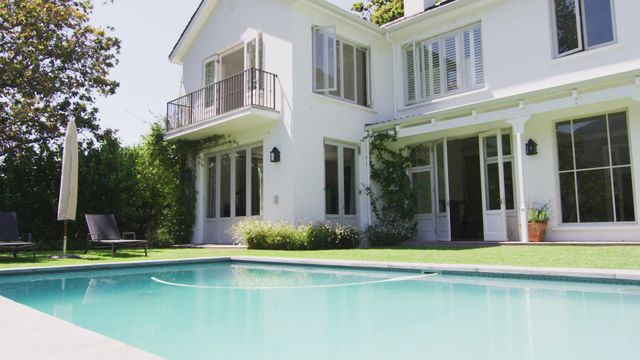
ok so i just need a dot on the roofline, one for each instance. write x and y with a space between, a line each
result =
346 15
184 31
174 55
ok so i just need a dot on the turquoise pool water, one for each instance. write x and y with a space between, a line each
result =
237 310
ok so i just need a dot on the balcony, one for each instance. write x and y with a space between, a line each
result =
241 101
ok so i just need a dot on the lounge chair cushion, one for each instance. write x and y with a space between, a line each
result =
103 227
9 227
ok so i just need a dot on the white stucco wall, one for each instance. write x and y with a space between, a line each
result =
518 58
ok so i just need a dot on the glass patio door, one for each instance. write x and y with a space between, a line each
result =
443 219
493 186
340 183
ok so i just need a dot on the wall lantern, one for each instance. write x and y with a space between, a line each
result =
275 155
531 148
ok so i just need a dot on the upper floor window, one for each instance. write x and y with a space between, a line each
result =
340 67
582 25
446 64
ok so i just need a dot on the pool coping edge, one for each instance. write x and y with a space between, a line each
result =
575 274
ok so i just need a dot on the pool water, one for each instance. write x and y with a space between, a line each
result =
240 310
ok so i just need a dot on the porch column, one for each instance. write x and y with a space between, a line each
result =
518 130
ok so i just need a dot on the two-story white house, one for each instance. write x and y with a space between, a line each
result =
513 102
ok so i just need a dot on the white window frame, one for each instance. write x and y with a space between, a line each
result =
557 170
581 30
329 40
342 215
464 84
232 178
339 62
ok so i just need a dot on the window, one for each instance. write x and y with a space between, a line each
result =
340 190
340 67
421 172
446 64
582 25
595 170
234 184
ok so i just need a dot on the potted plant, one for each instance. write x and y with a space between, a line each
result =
538 217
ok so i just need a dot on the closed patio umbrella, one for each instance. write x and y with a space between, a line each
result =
68 199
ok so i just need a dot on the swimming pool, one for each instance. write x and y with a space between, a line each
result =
250 310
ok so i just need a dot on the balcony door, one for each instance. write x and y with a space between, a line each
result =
231 87
340 189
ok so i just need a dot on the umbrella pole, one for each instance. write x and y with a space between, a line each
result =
64 241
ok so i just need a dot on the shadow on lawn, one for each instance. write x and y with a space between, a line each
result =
94 255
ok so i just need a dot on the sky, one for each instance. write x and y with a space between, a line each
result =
148 29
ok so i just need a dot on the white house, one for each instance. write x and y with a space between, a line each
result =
513 102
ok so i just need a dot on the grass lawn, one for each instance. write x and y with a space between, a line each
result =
602 257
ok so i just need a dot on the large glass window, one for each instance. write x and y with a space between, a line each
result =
211 187
421 177
235 184
582 24
340 68
446 64
341 193
595 170
225 186
241 183
331 194
257 174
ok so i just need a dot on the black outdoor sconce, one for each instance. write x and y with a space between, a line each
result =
275 155
531 148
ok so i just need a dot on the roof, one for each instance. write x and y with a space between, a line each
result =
206 7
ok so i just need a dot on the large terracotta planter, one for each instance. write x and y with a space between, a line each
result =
537 232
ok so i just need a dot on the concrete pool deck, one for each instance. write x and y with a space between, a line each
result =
35 334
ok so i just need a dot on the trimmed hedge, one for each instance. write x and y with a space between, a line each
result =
284 236
390 233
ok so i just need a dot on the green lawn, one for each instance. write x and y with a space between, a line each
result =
602 257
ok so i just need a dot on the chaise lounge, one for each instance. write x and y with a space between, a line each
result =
10 239
104 233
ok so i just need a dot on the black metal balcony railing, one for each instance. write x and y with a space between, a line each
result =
251 87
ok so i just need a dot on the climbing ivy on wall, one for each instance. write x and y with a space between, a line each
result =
167 183
392 195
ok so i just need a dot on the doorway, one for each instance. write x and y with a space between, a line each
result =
465 190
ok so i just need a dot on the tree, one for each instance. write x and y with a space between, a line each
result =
52 65
379 12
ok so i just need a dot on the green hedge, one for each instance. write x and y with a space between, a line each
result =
284 236
390 233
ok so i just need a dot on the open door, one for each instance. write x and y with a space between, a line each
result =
443 217
493 187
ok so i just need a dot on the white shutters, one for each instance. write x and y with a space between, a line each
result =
446 64
324 59
411 73
473 64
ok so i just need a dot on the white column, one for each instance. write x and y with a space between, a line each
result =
518 131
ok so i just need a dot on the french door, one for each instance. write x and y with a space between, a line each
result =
430 179
340 162
496 171
443 217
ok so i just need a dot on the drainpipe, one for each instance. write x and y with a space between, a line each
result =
393 77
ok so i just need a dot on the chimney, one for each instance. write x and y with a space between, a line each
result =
412 7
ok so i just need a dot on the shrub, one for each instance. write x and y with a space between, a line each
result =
263 235
333 236
284 236
390 232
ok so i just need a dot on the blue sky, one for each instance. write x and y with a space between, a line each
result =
148 29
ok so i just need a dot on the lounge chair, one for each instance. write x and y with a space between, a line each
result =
10 239
104 233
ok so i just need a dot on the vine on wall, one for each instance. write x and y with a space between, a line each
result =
394 198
